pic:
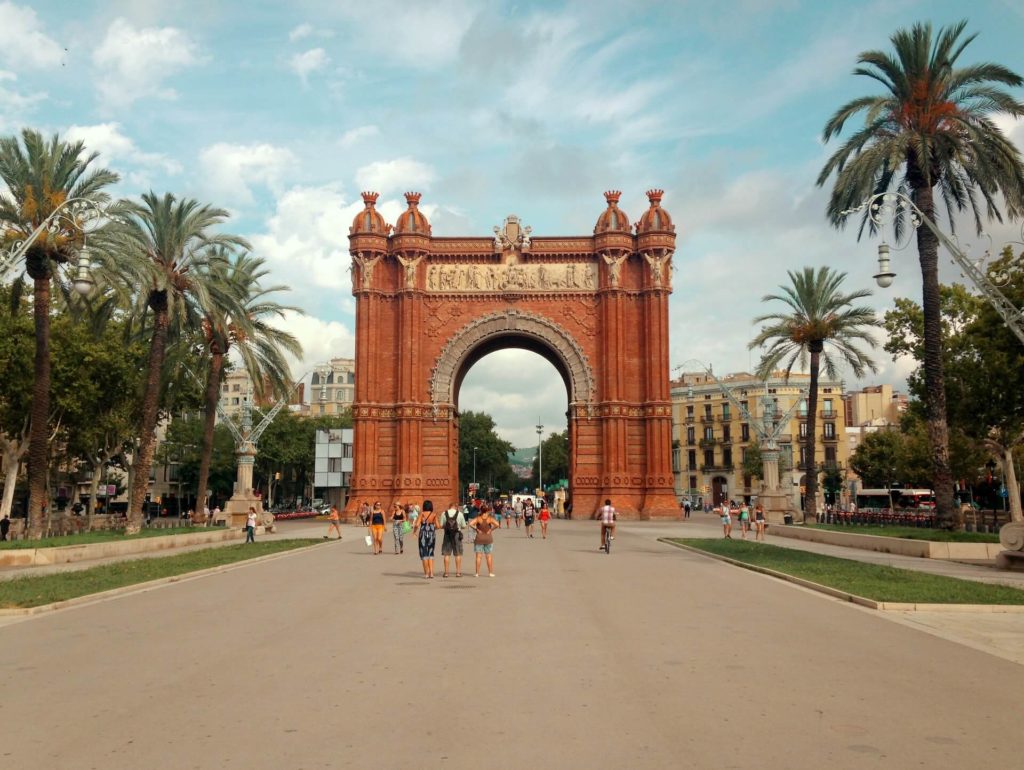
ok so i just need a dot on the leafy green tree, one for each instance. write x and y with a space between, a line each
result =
818 314
556 459
40 176
476 429
931 129
288 448
16 351
239 315
182 445
878 458
176 238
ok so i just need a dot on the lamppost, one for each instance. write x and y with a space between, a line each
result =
540 455
474 465
894 208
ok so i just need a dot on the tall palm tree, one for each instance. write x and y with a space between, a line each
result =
39 176
176 237
818 314
930 129
240 316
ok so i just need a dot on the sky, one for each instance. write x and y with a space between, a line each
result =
282 113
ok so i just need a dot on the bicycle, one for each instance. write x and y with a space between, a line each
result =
607 539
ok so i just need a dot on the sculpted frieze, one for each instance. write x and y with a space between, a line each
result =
571 276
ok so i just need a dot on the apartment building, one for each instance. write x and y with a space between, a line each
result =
711 438
333 386
873 408
237 387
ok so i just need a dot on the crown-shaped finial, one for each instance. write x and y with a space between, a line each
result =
370 199
413 199
612 196
655 196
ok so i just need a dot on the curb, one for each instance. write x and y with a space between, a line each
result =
149 585
854 598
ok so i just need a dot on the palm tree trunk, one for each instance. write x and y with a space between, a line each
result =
1012 487
39 445
934 376
810 441
209 423
150 406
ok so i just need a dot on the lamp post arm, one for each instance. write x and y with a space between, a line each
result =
759 427
881 208
10 258
772 435
254 436
224 418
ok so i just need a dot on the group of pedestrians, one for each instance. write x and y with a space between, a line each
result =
452 524
743 514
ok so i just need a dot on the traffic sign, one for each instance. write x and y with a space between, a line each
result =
1003 492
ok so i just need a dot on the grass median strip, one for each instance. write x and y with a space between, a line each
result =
86 538
872 581
38 590
912 533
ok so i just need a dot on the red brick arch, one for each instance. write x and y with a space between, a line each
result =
428 308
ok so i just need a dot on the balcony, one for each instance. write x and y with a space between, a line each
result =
716 468
829 439
689 418
691 442
829 414
708 442
707 418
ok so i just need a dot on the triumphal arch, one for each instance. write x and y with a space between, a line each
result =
595 306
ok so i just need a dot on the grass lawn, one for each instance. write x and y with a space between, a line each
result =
913 533
44 589
84 538
872 581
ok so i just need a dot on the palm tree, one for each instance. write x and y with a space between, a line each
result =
39 176
175 237
239 316
931 128
818 314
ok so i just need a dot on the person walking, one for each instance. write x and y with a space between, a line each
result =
528 514
686 509
608 515
364 513
452 523
398 527
334 523
5 527
517 511
544 517
484 526
726 520
377 528
250 526
744 520
759 522
425 530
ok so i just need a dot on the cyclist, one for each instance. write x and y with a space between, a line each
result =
608 516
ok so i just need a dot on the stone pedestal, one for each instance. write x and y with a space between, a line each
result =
775 501
236 510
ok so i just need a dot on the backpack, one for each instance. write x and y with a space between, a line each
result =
451 523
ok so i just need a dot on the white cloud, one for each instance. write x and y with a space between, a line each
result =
355 135
303 31
14 106
386 176
321 340
22 40
308 62
232 169
111 144
132 63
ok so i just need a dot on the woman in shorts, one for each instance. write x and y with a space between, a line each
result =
377 527
484 526
528 514
544 517
744 520
726 520
759 522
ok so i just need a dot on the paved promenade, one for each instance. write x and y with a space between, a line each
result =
649 658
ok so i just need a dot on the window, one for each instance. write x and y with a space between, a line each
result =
234 401
827 406
236 387
745 432
803 456
726 433
693 482
803 407
709 457
727 457
707 411
709 434
691 458
745 405
725 413
803 430
830 455
691 436
830 430
743 454
689 411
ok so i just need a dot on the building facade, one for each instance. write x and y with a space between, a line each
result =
333 465
333 387
712 439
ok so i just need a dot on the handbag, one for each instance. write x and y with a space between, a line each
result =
406 528
369 541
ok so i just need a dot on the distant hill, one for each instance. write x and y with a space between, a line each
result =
522 457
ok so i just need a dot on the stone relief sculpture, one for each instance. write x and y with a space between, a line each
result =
657 267
366 266
614 268
410 271
512 277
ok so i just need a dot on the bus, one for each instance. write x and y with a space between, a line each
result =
887 499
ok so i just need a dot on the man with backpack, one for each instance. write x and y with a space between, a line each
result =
452 524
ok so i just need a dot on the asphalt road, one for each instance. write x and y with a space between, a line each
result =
649 658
